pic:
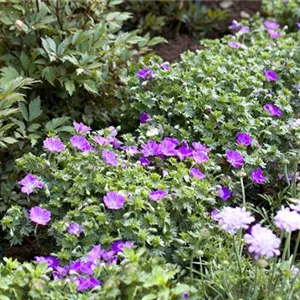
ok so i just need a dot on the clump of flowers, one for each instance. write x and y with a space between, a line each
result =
262 242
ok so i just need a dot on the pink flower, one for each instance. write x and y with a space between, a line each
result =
114 200
29 183
39 215
53 145
81 128
235 158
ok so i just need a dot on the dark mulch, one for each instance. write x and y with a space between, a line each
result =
237 10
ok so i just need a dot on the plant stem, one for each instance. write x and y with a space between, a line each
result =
286 245
255 282
237 255
286 175
36 236
243 192
294 184
296 248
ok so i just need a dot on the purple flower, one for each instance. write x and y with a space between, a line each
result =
101 140
270 75
144 117
235 158
60 272
262 242
113 131
233 219
235 25
214 214
184 151
185 295
234 45
29 183
86 283
84 267
287 220
157 195
244 139
52 262
53 145
295 206
274 34
95 254
81 128
110 158
224 193
118 246
167 147
196 173
115 142
244 29
273 110
200 147
144 161
298 24
75 229
200 157
145 74
151 148
131 150
114 200
165 66
257 176
81 143
271 25
39 215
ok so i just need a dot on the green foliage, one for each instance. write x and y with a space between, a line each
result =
76 50
284 12
138 276
167 17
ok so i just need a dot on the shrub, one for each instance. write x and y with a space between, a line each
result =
285 12
76 47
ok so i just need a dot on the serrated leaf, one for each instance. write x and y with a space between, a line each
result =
70 87
34 109
8 140
56 122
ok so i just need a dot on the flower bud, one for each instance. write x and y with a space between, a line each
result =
20 25
262 263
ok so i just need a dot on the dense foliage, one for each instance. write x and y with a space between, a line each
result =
194 195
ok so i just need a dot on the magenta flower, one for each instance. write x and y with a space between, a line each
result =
184 151
81 128
235 158
39 215
75 229
273 110
110 158
165 66
214 214
95 254
298 24
244 29
287 220
84 267
196 173
224 193
235 25
262 242
114 200
271 25
167 147
52 262
157 195
101 140
151 148
29 183
131 150
200 147
233 219
81 143
274 34
144 161
244 139
84 283
144 117
270 75
118 246
234 45
145 74
257 176
53 145
200 157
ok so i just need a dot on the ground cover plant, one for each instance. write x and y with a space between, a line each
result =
195 195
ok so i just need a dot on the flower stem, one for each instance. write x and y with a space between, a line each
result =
243 192
255 282
286 175
296 248
294 184
36 236
286 246
237 255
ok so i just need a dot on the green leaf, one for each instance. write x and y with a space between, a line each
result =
8 140
56 123
24 111
149 297
34 109
70 87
